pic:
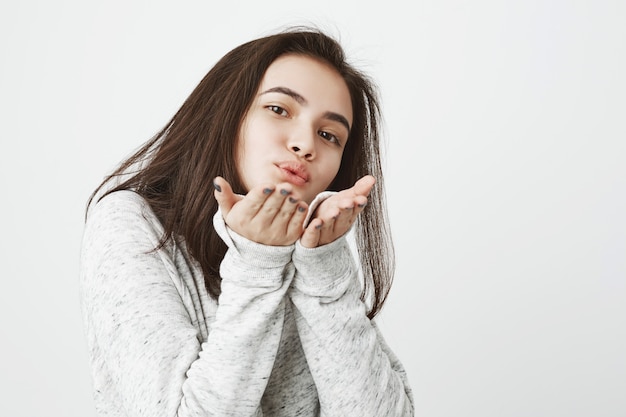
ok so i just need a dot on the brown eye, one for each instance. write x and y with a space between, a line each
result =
278 110
329 137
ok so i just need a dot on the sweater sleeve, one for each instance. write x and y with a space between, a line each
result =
355 372
141 335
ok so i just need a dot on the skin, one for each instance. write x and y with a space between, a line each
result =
289 150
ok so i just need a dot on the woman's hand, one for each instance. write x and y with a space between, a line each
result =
335 215
270 214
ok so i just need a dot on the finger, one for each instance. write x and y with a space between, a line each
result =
224 195
345 218
243 214
311 236
288 209
363 186
294 226
360 202
257 198
276 204
327 229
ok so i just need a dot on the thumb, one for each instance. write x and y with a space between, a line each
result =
224 195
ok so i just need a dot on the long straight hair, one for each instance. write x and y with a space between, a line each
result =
174 169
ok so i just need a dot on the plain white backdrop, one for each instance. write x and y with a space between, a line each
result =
505 164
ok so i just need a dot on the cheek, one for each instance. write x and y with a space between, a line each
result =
331 168
257 134
243 162
336 163
240 145
246 144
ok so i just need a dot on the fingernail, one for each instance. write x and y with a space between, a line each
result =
267 191
285 192
318 227
362 205
292 200
301 209
217 187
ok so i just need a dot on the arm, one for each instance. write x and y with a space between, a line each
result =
354 370
356 374
147 353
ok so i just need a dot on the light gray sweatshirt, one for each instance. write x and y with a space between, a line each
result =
289 336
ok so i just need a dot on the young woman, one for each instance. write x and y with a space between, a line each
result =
217 277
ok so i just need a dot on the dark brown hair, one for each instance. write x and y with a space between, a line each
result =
173 171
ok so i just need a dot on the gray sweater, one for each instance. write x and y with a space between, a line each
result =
289 337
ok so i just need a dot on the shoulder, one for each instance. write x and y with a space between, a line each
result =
117 203
122 215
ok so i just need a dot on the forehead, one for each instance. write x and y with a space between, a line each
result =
318 82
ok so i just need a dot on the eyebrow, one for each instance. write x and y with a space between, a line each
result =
301 100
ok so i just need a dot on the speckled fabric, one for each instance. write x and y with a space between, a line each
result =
289 337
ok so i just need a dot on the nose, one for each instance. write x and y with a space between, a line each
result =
302 144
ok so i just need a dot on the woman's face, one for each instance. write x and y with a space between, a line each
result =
297 127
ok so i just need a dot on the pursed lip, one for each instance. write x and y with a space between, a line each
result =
294 169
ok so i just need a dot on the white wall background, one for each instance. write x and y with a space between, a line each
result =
506 177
